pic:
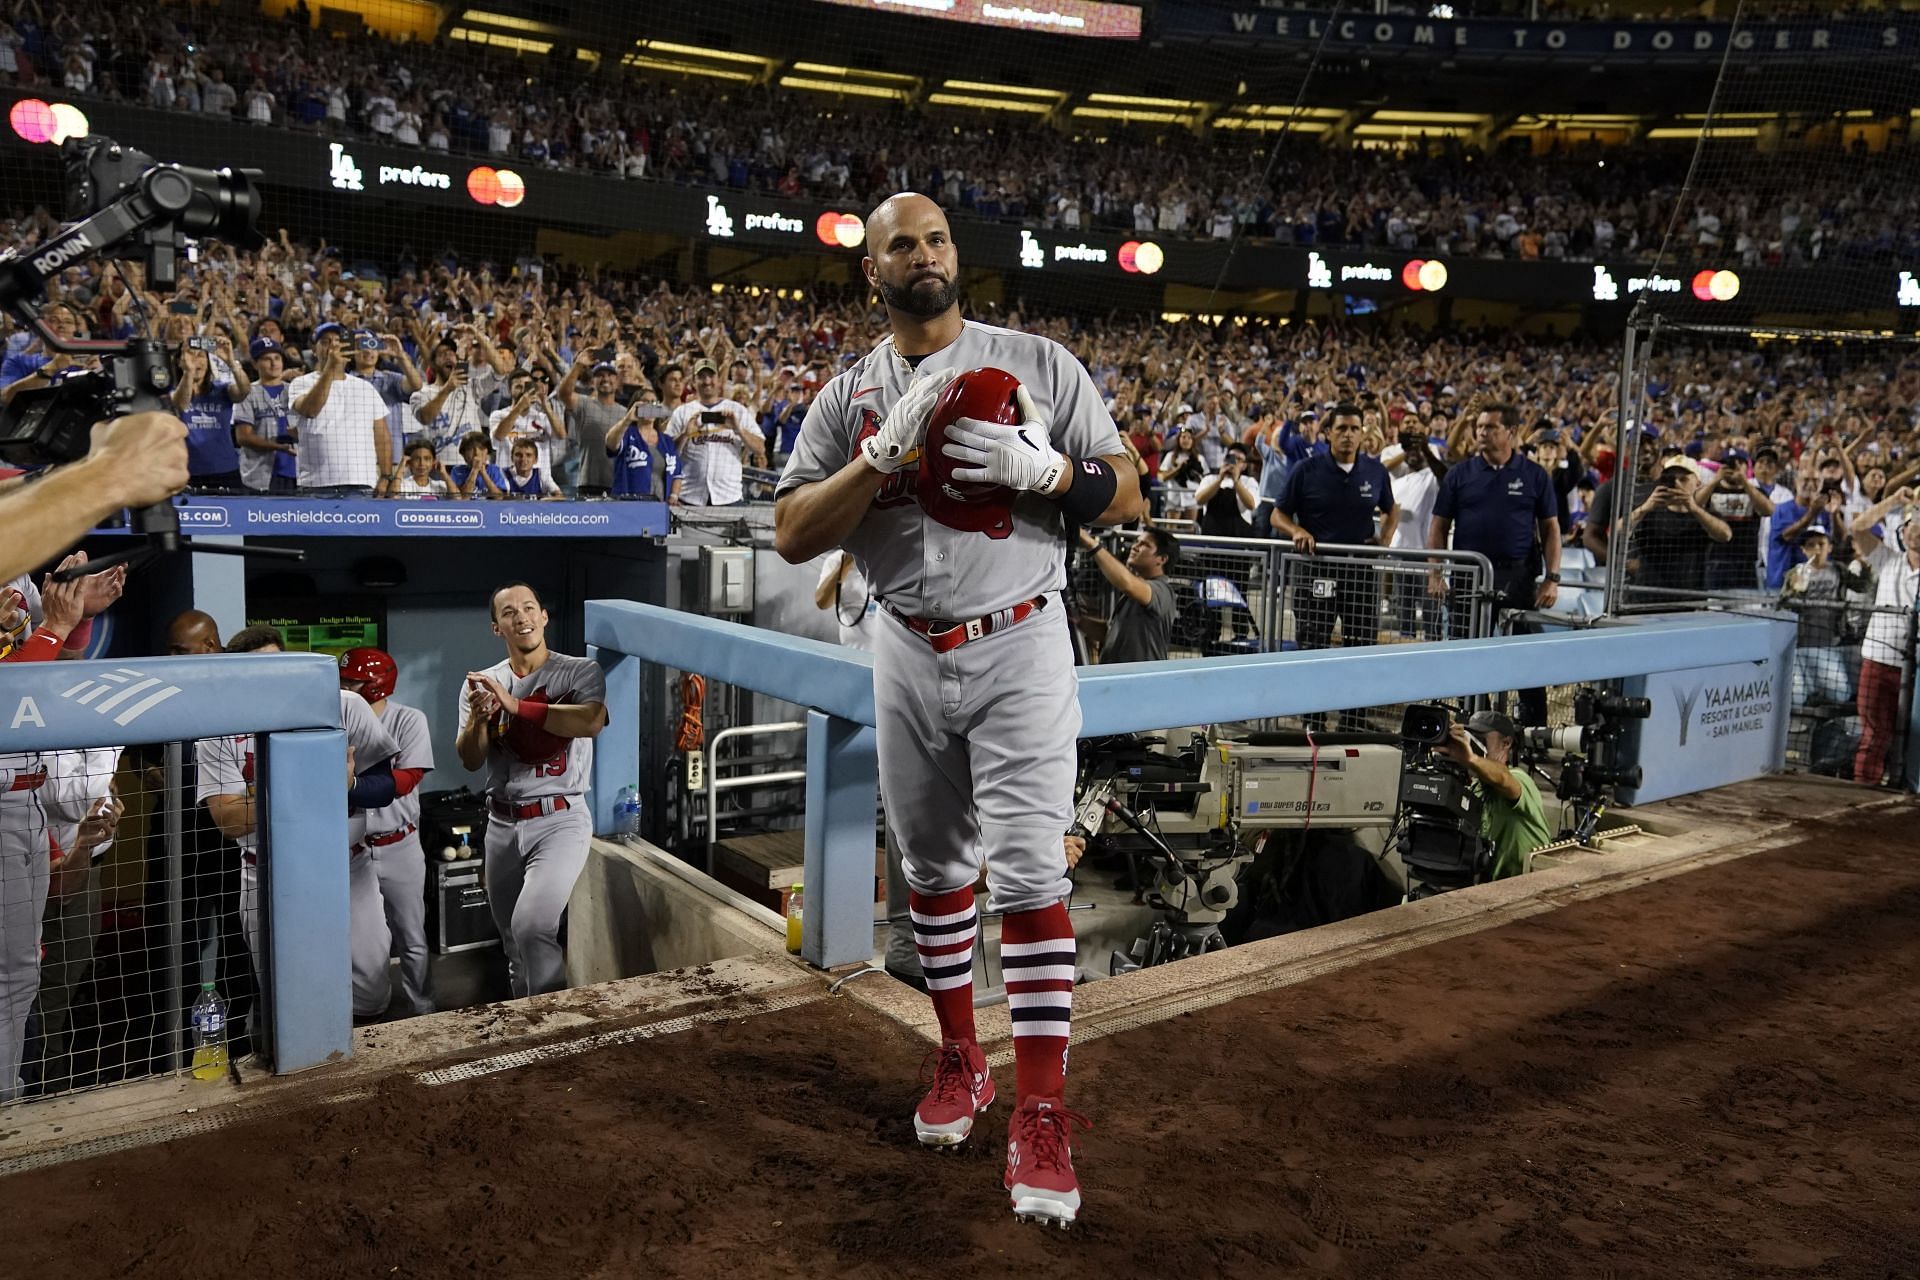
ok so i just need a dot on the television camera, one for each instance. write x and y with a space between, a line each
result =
1590 750
1437 828
1187 817
121 205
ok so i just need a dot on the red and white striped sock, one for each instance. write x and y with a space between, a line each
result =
1037 960
944 927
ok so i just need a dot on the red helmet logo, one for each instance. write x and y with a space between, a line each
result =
985 395
372 669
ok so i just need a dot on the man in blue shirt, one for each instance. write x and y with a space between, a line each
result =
1502 504
1273 478
1791 519
1332 497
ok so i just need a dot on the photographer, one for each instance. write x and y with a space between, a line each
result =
1513 817
1227 498
135 461
1736 499
1416 473
1142 623
1672 530
709 432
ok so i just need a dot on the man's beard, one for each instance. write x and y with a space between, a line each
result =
920 301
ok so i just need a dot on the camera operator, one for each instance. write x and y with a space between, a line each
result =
1142 623
1513 816
135 461
1227 498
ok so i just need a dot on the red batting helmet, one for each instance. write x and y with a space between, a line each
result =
374 670
967 505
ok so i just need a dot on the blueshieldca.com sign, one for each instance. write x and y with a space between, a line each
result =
349 518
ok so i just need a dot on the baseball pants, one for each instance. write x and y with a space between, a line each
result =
532 865
977 757
24 873
70 928
403 889
368 938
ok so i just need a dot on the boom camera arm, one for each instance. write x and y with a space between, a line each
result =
127 206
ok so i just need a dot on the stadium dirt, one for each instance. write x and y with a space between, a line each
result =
1712 1075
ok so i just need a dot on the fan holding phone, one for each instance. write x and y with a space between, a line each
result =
710 431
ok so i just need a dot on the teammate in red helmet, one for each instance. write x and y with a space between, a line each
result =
975 700
393 832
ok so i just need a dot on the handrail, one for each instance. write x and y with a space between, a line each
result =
716 784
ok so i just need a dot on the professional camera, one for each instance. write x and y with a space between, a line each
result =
1591 769
125 205
1437 829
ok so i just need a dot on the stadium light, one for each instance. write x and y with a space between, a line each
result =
1431 117
1012 90
843 86
1127 100
686 68
1675 132
697 51
1271 126
988 104
509 21
822 69
519 44
1142 117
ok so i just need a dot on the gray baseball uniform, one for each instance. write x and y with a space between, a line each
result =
533 861
225 767
976 745
393 833
40 791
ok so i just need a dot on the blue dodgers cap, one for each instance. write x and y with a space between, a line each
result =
321 330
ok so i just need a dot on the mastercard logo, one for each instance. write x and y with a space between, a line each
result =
840 230
1142 257
1424 275
502 187
1716 286
37 121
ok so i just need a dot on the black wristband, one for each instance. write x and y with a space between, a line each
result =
1094 484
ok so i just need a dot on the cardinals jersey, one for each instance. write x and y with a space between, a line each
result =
408 726
562 679
226 765
916 564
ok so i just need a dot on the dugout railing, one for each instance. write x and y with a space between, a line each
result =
122 898
835 685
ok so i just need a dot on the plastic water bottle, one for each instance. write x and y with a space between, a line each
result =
796 908
209 1035
626 814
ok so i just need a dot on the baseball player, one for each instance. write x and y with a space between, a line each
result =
974 689
45 797
393 832
225 771
529 721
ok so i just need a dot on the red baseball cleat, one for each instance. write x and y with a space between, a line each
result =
961 1089
1040 1162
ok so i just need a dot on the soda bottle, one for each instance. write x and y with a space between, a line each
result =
796 904
209 1035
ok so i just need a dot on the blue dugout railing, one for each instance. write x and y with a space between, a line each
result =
836 685
292 701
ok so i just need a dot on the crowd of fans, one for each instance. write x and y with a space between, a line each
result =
1580 202
445 350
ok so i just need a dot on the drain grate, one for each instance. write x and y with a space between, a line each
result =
604 1040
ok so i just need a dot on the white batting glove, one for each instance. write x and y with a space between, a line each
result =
1020 456
898 441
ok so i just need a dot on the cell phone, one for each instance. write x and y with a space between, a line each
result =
604 353
183 308
207 345
713 418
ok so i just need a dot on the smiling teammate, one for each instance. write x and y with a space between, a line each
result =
529 721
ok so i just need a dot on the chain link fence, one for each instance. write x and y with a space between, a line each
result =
124 890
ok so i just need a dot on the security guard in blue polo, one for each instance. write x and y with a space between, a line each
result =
1501 503
1333 497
